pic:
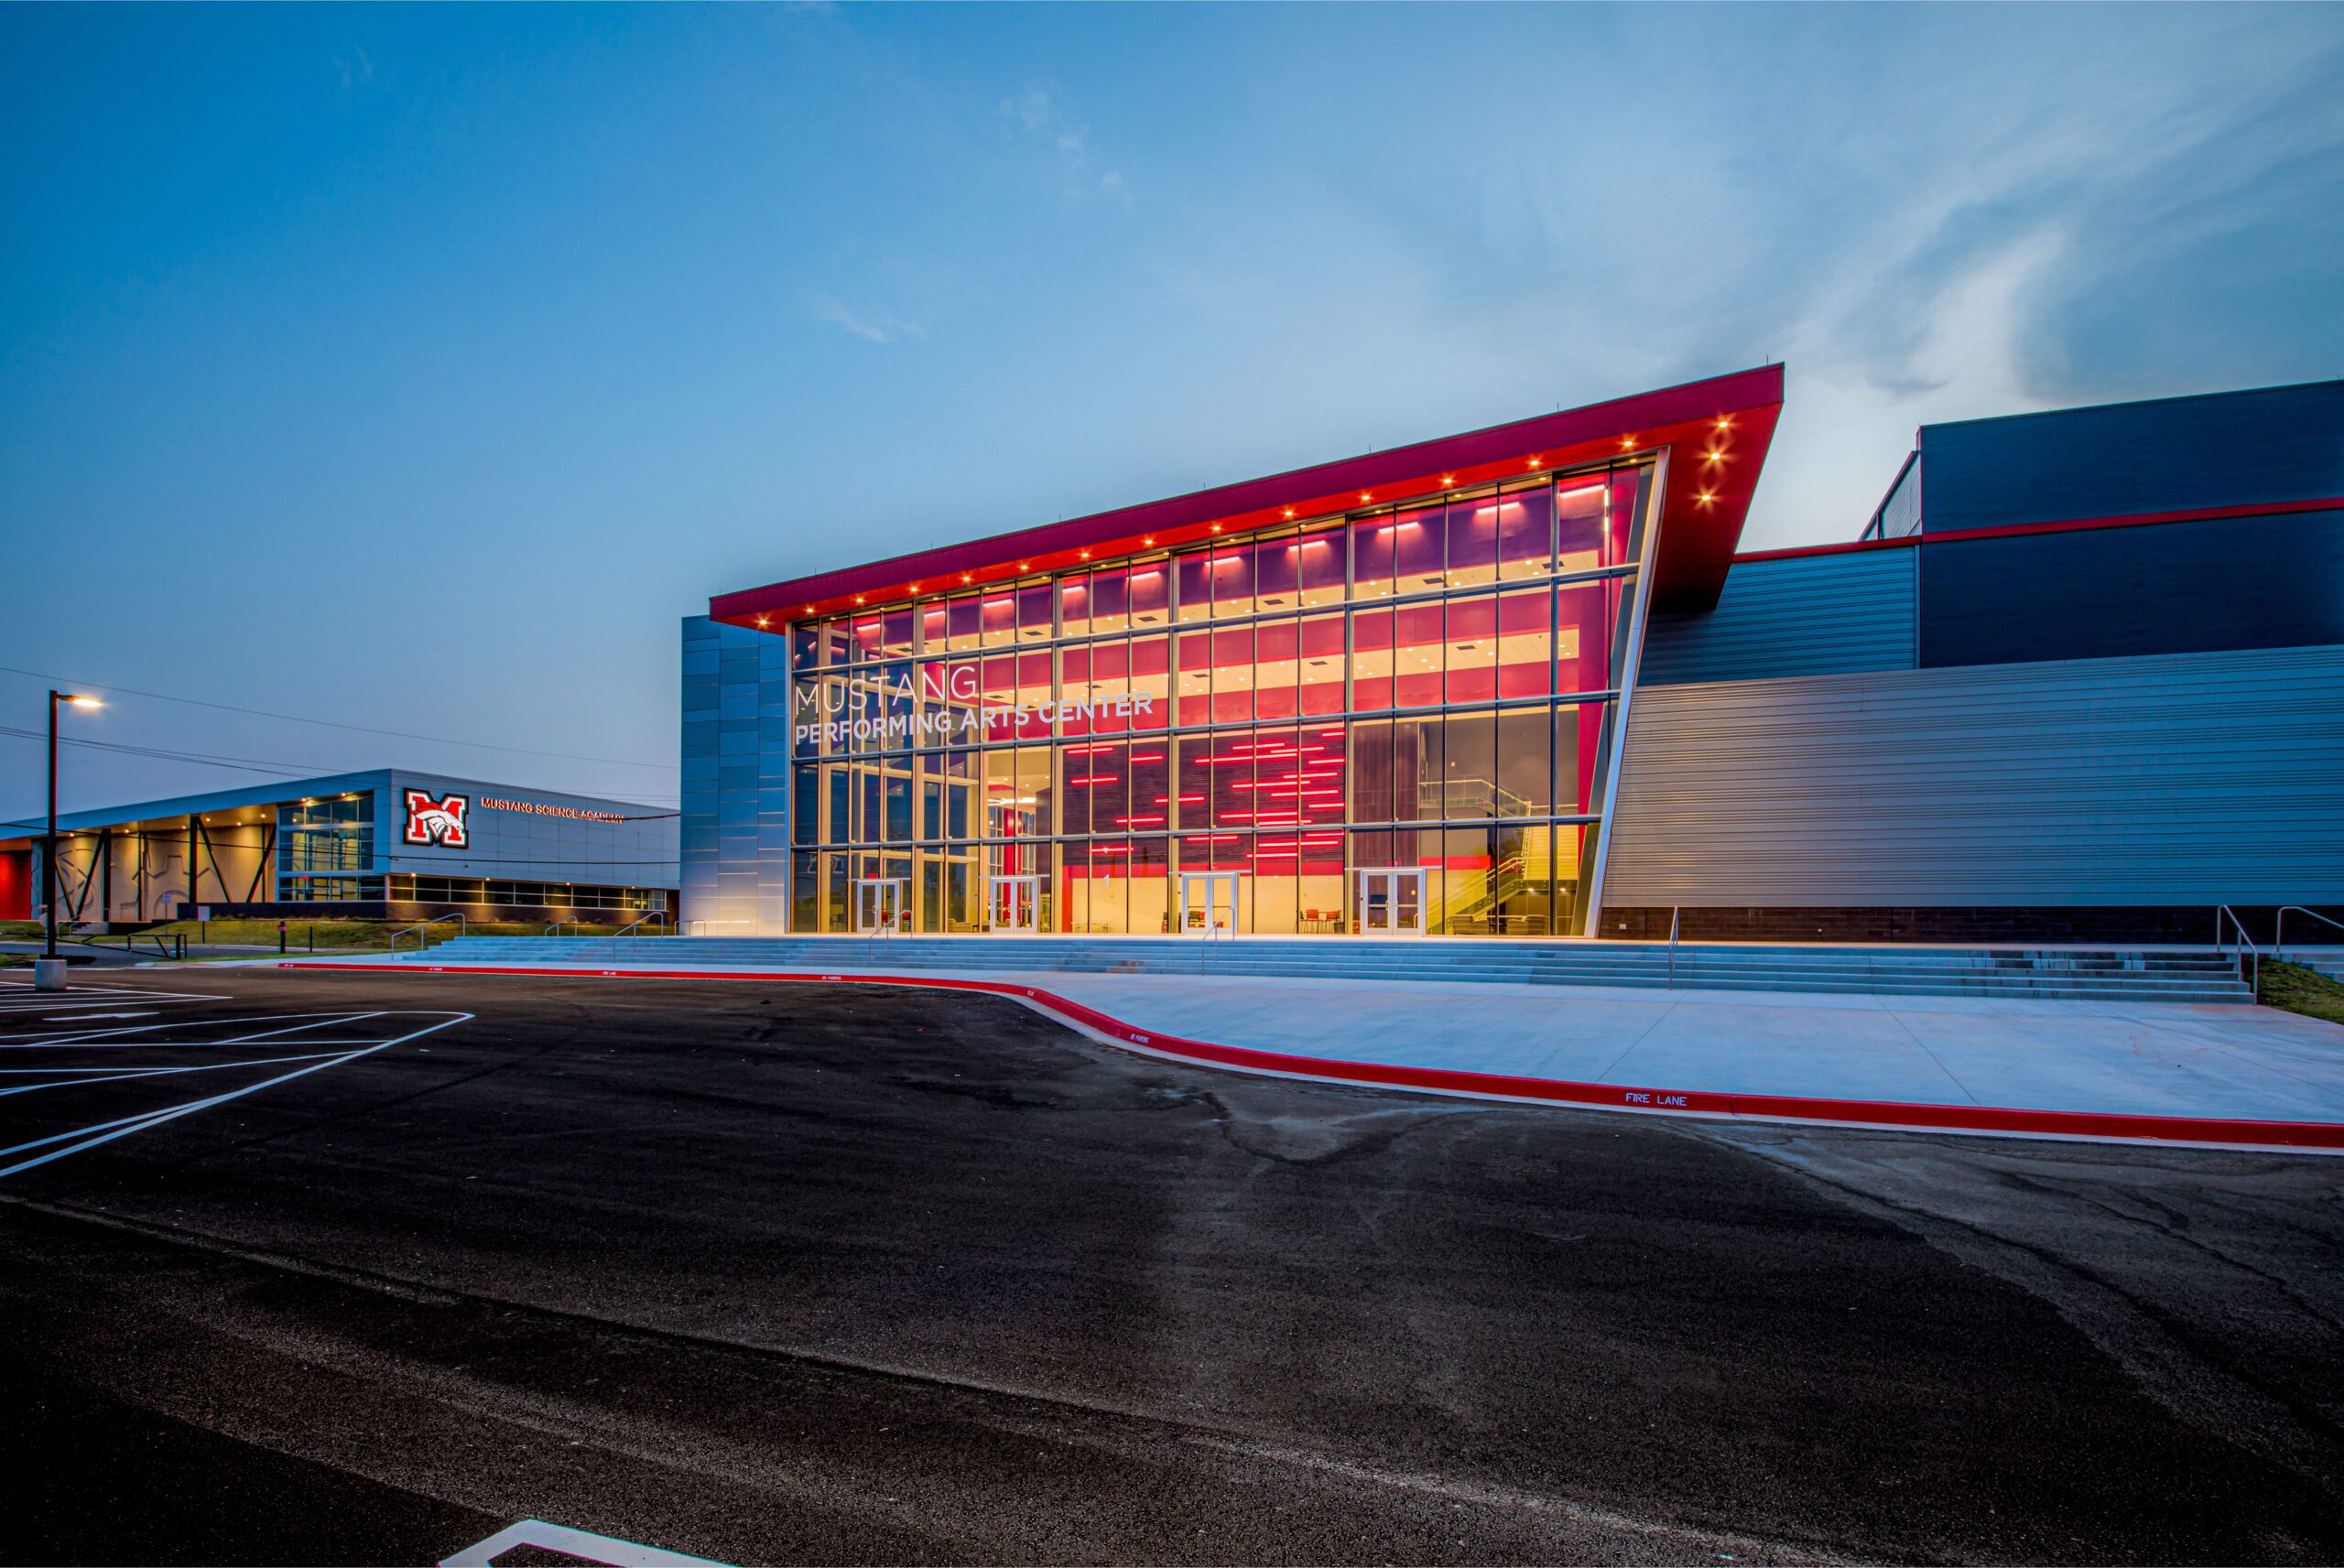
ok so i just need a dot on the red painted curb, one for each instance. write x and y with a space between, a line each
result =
2103 1125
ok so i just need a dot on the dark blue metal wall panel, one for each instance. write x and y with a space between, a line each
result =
2175 454
2165 587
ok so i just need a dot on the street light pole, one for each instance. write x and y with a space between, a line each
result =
49 845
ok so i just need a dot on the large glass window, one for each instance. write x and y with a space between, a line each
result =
1420 690
320 839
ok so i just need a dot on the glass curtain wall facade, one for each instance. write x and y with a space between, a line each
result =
325 849
1396 719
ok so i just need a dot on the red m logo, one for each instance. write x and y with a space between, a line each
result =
440 822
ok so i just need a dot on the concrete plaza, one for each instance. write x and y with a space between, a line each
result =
2090 1058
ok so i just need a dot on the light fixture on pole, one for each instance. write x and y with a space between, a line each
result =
48 844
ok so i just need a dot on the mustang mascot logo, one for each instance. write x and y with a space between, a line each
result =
440 822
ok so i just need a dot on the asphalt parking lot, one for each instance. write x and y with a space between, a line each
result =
344 1267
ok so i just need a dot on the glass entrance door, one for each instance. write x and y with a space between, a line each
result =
1389 900
1207 903
1016 903
879 906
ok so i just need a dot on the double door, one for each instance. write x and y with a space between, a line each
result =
1207 903
879 906
1388 901
1014 904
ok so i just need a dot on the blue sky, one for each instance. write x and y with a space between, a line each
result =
420 367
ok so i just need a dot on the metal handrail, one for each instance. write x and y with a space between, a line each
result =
164 945
2246 946
2279 942
462 928
557 925
655 915
1673 913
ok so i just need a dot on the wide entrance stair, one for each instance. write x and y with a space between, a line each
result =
2058 974
2329 961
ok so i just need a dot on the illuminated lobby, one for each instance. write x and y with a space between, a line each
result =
1379 697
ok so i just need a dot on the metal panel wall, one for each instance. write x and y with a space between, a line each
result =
2167 588
1797 615
2119 459
736 761
2183 779
523 846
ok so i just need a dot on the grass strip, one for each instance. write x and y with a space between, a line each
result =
2294 988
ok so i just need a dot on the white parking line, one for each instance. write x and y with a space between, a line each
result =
579 1543
107 1132
150 1072
16 995
94 1038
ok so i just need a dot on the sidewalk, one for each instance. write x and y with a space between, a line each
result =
2171 1073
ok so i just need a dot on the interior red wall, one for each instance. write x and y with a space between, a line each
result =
16 884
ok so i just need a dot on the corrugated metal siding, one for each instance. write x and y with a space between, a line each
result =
1800 615
2195 778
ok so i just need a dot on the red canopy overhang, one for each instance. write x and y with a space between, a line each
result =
1716 433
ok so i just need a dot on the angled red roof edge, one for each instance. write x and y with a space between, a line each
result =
1702 518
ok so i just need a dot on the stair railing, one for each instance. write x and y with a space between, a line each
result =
1673 914
2253 979
655 918
1505 879
554 929
2279 943
421 941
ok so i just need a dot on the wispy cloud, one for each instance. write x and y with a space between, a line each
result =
877 325
1930 224
355 70
2071 244
1038 114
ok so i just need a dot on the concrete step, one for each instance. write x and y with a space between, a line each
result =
2111 973
1029 952
1374 966
1238 960
2319 959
